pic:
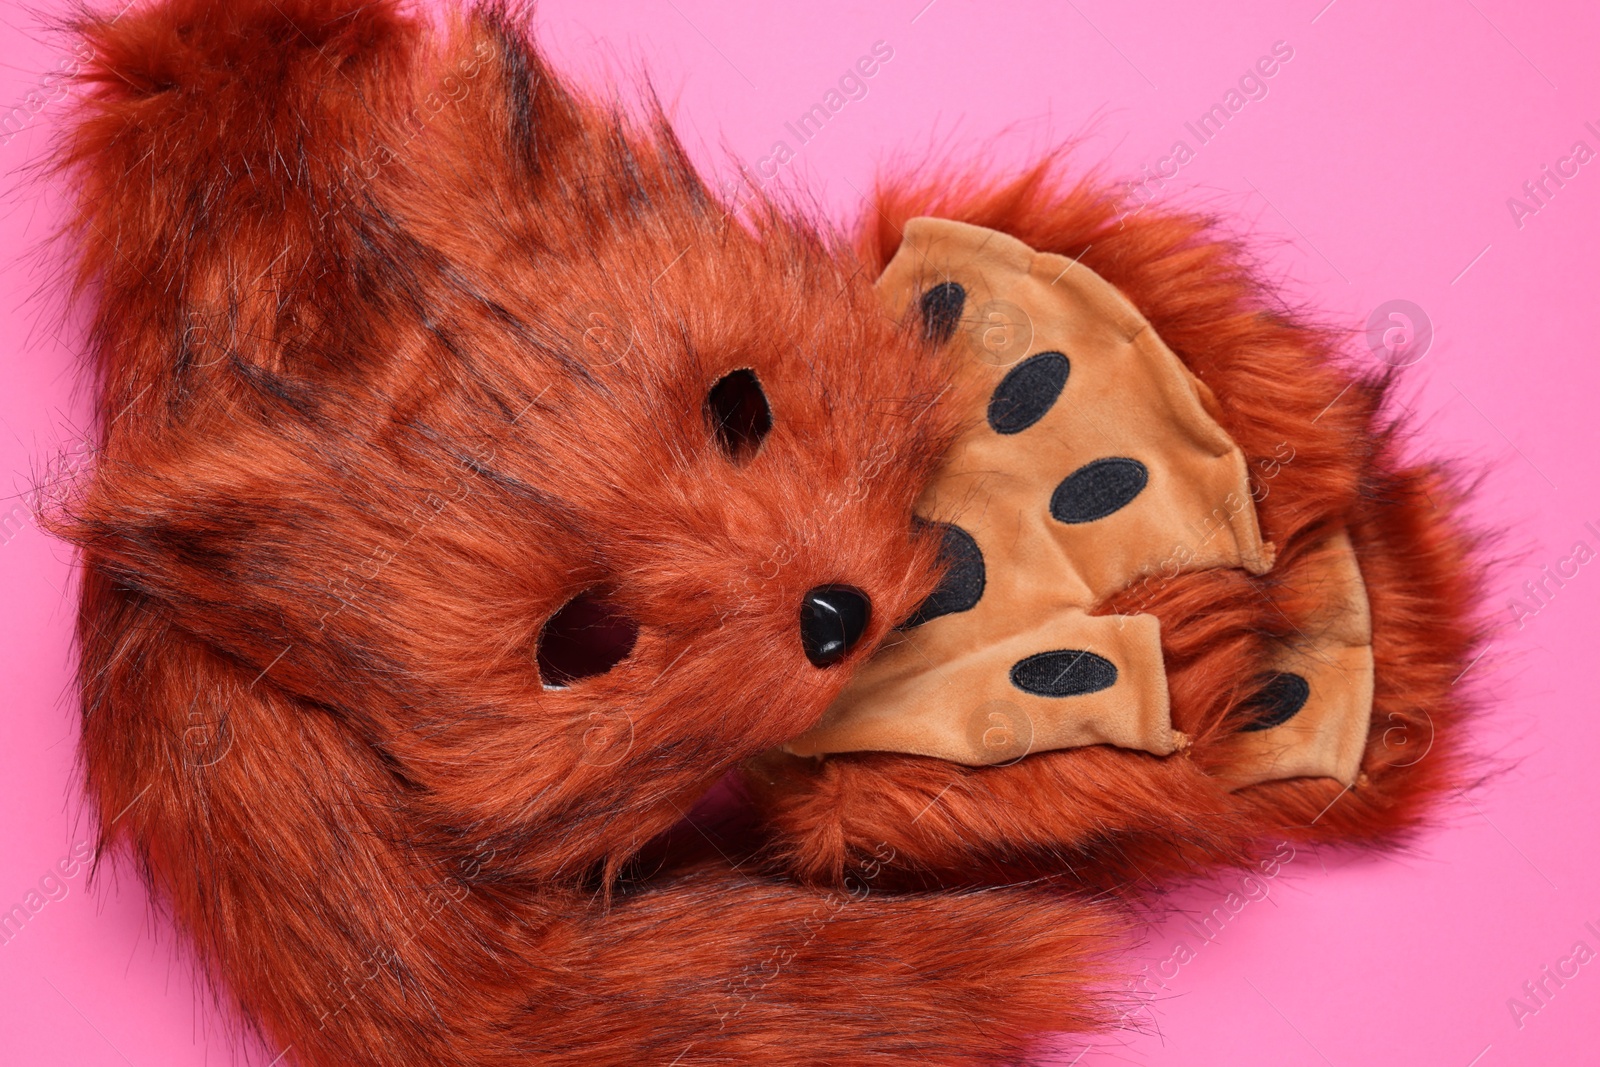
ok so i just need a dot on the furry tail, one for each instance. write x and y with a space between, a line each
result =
721 969
289 854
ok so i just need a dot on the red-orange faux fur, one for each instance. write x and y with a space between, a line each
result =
1323 451
401 346
360 440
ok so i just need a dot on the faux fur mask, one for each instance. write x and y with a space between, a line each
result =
475 491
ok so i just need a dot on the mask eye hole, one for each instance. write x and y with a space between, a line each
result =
739 415
589 636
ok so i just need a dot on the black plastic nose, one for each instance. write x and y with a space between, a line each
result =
832 620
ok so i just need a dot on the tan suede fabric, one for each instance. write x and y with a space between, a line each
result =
947 695
945 688
1328 736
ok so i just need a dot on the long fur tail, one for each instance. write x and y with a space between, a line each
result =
270 835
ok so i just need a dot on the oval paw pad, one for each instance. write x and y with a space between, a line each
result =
962 585
1028 392
1098 489
1064 673
1277 701
941 311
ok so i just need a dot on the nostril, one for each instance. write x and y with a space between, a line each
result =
832 620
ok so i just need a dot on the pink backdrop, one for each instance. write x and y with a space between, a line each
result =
1378 165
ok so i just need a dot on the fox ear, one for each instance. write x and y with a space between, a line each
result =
585 170
275 198
211 152
541 121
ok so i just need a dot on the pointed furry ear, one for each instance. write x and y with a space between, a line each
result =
589 165
541 116
275 198
212 153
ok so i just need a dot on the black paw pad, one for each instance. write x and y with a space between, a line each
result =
962 585
941 311
1028 392
1098 489
1276 702
1067 673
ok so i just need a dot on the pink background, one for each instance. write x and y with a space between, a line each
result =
1377 167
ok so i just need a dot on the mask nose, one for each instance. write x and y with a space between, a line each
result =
832 620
